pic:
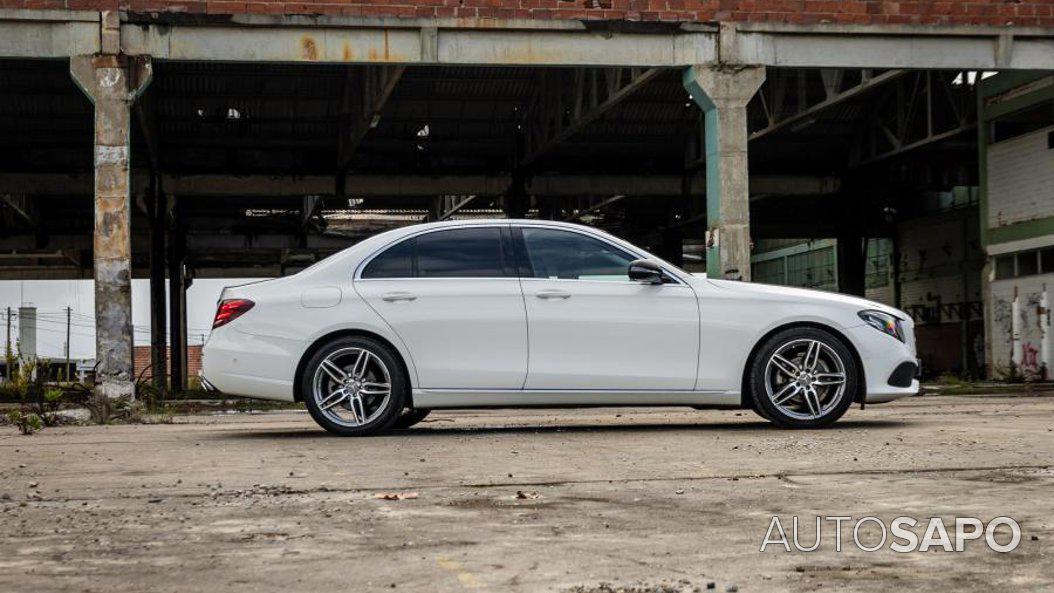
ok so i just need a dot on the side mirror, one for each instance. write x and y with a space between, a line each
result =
645 271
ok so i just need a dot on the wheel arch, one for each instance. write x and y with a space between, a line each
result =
346 333
744 394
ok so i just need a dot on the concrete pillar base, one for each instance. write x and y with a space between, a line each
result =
723 91
115 389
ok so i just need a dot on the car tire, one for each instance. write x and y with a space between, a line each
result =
803 377
410 417
346 396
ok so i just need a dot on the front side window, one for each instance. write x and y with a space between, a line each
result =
566 255
454 253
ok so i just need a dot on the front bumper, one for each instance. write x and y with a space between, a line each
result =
890 366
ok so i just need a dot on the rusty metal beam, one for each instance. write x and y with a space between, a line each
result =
451 205
416 186
772 95
567 101
594 208
22 206
366 90
916 110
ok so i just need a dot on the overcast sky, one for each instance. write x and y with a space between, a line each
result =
51 297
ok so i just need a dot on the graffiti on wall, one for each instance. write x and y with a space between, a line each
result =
1031 334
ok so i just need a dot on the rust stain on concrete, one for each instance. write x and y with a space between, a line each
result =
309 49
348 54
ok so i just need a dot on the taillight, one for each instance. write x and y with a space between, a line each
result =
229 310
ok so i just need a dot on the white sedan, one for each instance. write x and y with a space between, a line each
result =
508 313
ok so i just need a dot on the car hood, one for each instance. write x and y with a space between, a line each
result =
772 292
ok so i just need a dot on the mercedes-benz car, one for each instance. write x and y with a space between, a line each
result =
510 313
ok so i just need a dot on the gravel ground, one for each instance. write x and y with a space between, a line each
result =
603 500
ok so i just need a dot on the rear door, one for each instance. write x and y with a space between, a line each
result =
453 297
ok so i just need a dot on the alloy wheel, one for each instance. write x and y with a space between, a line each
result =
352 386
805 379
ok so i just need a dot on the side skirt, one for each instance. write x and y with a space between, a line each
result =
498 398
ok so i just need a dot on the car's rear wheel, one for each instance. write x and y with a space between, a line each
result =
354 386
803 378
410 417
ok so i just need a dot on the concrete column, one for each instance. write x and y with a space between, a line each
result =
723 91
112 82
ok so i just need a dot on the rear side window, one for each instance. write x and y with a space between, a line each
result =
396 262
461 253
454 253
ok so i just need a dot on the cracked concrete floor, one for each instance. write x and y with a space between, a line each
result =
649 496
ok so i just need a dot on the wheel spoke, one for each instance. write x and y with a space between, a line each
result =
812 400
358 409
829 379
333 399
335 372
787 367
788 391
375 389
812 356
359 370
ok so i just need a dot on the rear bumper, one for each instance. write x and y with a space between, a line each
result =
235 363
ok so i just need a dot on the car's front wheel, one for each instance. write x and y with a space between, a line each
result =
354 386
803 378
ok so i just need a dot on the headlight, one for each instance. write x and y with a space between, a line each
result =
883 322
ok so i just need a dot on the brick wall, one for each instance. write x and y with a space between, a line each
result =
977 12
141 361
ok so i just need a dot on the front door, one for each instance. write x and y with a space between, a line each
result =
452 297
591 328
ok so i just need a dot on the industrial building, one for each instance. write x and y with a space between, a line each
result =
899 150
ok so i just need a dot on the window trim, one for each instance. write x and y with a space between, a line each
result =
507 264
518 266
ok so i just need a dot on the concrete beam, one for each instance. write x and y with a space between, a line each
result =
951 48
112 83
48 33
506 42
542 43
370 44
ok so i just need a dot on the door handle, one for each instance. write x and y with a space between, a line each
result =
392 297
552 294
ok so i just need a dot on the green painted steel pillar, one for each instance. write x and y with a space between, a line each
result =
723 91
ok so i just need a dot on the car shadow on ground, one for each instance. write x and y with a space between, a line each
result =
436 428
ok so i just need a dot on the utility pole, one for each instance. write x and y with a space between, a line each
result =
67 372
7 352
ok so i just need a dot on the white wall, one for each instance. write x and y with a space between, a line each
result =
1020 179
